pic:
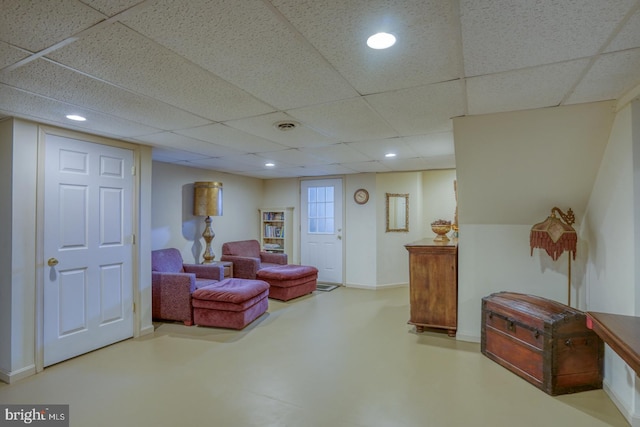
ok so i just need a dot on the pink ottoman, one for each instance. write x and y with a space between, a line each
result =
289 281
230 303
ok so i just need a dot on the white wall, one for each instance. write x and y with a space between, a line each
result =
439 198
22 282
6 171
360 238
610 227
512 169
173 223
373 257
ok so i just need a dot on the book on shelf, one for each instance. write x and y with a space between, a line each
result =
273 231
273 216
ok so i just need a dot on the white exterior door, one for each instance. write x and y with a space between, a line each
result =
321 228
88 217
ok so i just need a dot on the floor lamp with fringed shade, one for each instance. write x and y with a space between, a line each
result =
556 235
207 201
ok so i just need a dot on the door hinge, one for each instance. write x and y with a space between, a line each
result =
133 170
133 239
134 307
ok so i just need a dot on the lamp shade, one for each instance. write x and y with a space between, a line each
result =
207 199
554 236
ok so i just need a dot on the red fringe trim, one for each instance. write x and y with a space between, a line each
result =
567 242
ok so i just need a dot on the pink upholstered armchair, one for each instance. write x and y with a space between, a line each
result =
173 282
247 258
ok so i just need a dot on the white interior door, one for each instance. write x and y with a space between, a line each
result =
88 217
321 228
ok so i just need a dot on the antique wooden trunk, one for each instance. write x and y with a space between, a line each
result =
542 341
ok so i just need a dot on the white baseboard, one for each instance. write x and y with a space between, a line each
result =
14 376
468 338
146 330
632 418
374 287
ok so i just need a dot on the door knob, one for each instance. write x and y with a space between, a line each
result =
52 262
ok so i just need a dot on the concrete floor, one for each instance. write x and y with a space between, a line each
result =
344 358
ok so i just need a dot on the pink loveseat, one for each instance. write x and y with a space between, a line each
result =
173 283
248 259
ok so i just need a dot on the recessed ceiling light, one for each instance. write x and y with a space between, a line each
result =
390 155
76 117
269 165
381 41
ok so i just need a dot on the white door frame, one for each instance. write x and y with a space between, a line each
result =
40 232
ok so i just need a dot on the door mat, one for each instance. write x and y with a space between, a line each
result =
325 288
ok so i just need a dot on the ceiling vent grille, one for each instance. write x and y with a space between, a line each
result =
286 125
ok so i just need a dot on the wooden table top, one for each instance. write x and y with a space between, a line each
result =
621 333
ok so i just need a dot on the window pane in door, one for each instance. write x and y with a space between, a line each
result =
320 201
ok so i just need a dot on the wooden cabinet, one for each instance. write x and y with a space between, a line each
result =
433 285
276 230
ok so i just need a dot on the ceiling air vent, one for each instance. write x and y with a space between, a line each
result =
286 125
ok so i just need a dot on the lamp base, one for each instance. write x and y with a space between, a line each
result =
208 236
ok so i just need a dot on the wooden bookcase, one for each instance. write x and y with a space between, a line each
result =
276 230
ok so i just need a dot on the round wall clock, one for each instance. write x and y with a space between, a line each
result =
361 196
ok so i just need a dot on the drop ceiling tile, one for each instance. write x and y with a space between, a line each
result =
347 120
229 137
111 7
432 145
276 173
509 34
440 162
609 77
264 127
629 35
292 156
538 87
230 40
376 149
181 142
250 160
368 167
123 57
414 164
332 169
53 81
223 165
33 107
421 110
336 153
10 55
35 25
169 155
427 31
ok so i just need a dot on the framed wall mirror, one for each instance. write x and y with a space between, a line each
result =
397 212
